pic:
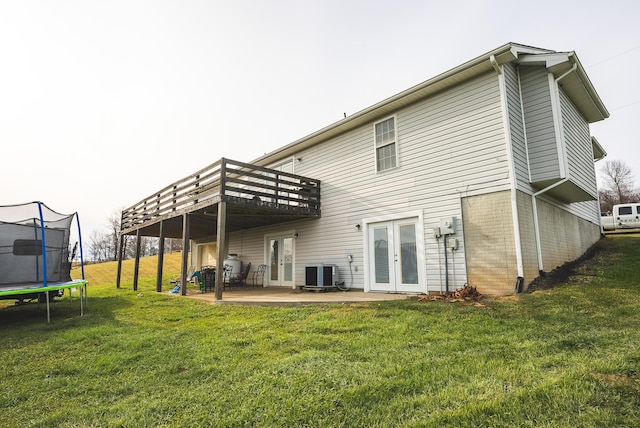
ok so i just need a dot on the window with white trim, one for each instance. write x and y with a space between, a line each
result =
386 147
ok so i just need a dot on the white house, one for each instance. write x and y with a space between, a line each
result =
482 175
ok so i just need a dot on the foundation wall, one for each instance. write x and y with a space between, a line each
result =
490 249
490 244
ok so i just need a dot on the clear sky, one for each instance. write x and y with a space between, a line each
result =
105 102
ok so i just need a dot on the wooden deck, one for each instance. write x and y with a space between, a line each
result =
254 196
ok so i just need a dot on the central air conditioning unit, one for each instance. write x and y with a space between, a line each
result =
321 275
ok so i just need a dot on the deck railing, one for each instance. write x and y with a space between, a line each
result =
231 181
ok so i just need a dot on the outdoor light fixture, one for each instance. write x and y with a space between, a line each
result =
358 226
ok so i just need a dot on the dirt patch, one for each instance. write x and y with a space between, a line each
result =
616 377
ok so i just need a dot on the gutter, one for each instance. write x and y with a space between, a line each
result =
588 87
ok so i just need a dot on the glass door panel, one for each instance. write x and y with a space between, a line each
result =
287 248
381 269
274 259
408 254
381 255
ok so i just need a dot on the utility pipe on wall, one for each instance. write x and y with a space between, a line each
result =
439 262
446 264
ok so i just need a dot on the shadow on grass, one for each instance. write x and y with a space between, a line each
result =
29 314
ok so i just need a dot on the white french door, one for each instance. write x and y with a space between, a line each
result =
280 261
395 256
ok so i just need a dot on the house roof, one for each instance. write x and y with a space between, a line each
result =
562 64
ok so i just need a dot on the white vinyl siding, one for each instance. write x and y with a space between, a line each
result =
579 151
452 145
517 126
576 139
575 131
542 143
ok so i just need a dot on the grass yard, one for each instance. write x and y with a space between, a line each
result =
566 355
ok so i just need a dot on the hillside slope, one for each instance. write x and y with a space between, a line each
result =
105 273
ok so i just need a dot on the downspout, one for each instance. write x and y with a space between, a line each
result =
512 175
536 224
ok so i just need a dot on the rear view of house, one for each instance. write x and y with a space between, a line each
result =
482 175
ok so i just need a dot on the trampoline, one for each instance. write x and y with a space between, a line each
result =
35 257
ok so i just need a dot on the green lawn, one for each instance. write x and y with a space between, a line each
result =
563 356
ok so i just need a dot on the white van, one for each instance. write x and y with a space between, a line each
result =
624 216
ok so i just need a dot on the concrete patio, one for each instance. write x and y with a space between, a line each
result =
286 296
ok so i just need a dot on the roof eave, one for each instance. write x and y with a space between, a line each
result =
575 83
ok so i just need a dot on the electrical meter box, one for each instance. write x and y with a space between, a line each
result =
448 225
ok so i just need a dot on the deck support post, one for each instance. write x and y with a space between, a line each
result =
120 252
136 269
160 258
222 245
185 254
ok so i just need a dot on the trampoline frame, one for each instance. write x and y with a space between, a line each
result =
46 287
81 284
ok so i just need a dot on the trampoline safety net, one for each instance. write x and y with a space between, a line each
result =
28 231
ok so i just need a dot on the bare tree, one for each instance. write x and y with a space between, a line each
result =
173 245
619 182
114 227
607 200
106 246
98 247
